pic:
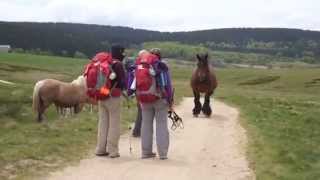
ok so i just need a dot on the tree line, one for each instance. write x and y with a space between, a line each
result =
68 39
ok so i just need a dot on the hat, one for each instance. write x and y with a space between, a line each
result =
156 51
142 51
117 52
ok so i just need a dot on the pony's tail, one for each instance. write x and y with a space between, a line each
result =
36 98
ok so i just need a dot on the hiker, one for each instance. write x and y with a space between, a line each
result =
130 67
109 105
154 93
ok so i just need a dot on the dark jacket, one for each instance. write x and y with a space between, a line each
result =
120 76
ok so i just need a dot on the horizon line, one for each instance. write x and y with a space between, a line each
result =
205 29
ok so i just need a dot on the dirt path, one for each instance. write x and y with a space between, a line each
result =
206 149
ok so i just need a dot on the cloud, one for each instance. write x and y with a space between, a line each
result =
168 15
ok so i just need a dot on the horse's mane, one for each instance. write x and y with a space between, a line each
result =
80 81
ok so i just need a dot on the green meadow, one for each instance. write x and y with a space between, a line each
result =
28 148
280 109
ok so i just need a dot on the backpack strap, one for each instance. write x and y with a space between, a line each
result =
116 82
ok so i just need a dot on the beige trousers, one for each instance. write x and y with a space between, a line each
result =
109 126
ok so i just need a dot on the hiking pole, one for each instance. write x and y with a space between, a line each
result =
130 143
127 99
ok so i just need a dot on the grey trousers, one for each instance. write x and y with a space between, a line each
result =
158 111
109 126
137 125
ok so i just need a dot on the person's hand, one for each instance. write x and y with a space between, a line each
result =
133 95
124 94
170 108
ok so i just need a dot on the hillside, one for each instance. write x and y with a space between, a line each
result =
68 39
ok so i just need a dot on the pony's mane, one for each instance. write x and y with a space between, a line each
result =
80 81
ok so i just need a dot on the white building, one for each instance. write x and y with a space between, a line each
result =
5 48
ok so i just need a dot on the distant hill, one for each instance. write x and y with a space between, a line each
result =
67 38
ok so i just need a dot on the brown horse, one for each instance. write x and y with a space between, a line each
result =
203 80
63 95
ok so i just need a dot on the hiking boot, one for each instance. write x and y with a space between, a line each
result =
146 156
163 157
135 135
115 155
102 154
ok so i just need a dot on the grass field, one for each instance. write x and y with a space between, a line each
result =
279 108
27 148
281 115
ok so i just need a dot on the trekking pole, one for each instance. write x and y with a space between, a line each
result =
127 99
130 143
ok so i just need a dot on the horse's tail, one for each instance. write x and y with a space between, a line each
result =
36 100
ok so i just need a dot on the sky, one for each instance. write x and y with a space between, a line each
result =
168 15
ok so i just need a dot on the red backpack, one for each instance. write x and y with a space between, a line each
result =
98 76
146 88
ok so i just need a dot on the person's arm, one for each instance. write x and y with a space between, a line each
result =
121 75
162 67
169 89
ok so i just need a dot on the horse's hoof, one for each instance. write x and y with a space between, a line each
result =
196 115
207 114
196 111
207 111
